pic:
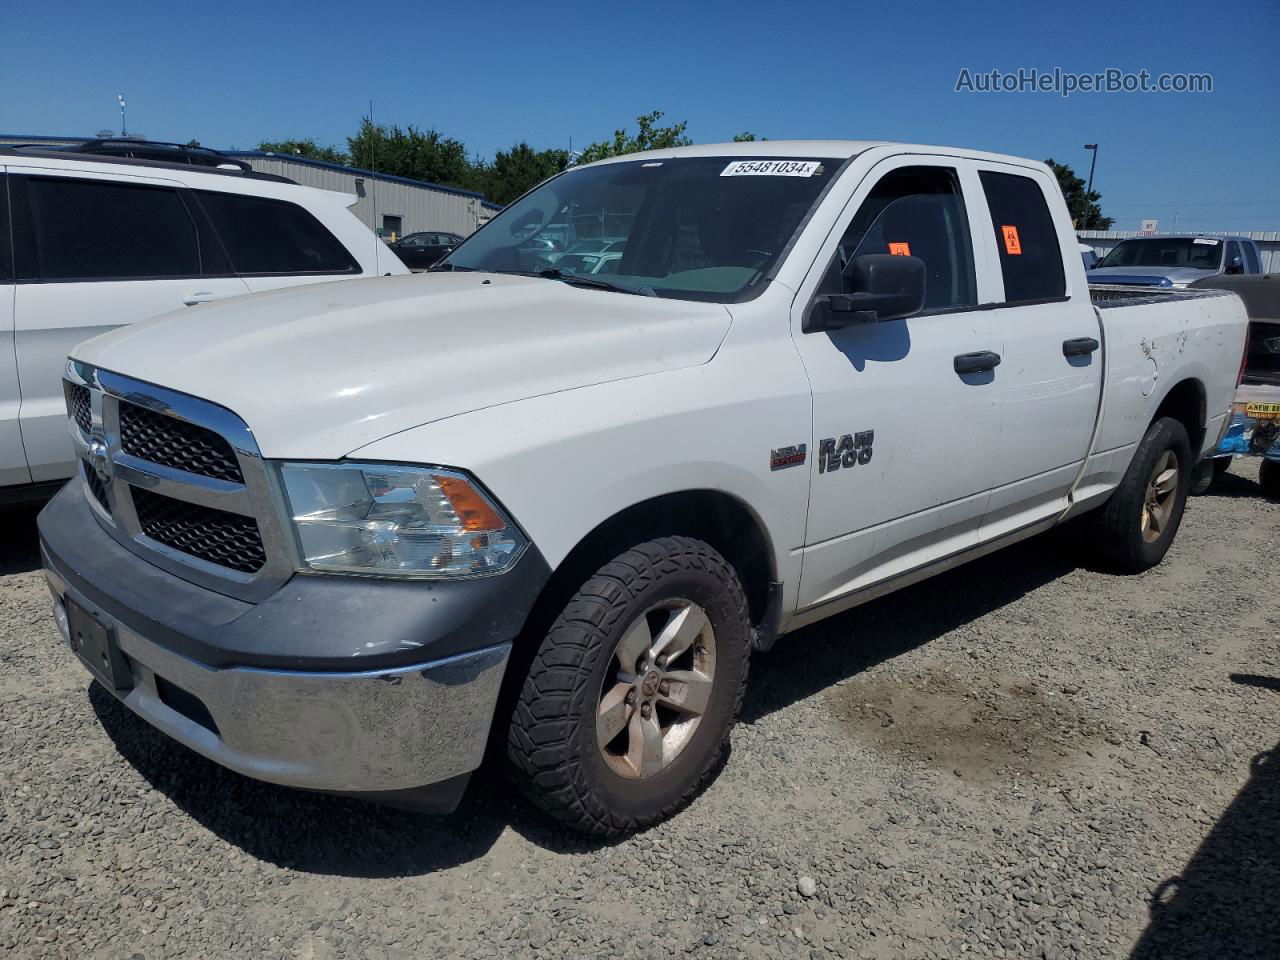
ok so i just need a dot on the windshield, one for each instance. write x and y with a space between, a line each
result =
699 228
1200 253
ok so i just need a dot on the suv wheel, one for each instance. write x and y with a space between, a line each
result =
627 706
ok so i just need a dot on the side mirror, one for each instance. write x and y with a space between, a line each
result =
886 288
1235 266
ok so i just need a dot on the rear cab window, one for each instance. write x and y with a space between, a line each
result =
263 236
1026 238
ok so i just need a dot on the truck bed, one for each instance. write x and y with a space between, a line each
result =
1107 296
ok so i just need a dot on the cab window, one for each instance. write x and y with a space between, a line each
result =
1026 238
1229 263
918 212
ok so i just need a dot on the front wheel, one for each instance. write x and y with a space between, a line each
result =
1135 528
627 706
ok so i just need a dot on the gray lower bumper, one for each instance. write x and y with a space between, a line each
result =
365 732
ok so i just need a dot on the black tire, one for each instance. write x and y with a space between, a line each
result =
1269 477
1207 473
552 744
1117 534
1202 478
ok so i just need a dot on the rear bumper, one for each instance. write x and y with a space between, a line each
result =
384 731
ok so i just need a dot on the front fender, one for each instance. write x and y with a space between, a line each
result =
562 464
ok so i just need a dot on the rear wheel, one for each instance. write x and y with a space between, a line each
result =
1269 477
628 703
1134 529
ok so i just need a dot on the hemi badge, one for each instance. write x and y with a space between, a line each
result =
785 457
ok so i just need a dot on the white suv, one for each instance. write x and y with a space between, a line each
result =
92 243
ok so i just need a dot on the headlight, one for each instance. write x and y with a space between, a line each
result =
397 521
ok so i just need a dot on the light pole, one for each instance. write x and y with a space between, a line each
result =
124 127
1088 191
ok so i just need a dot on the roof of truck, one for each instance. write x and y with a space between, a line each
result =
812 149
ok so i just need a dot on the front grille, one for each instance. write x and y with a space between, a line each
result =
78 405
176 443
227 539
96 486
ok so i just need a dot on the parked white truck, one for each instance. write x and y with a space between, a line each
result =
329 536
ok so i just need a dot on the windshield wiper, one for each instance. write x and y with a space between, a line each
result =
444 267
573 279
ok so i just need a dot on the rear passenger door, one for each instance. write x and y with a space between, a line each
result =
1050 379
275 243
93 253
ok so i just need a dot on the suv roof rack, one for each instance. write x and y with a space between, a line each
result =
156 150
233 168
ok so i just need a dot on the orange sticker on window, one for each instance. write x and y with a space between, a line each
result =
1012 245
900 249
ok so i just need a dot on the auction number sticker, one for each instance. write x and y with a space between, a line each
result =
772 168
1206 241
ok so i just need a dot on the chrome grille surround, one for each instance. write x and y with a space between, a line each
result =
257 497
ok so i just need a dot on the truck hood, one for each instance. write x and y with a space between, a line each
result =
321 370
1148 276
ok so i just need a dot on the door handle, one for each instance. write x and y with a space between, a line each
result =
203 296
1079 347
977 362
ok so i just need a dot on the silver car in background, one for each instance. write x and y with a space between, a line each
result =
1176 261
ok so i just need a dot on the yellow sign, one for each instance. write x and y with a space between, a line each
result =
1262 411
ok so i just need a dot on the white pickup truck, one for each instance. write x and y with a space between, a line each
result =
330 536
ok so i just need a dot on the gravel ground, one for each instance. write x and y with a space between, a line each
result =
1022 758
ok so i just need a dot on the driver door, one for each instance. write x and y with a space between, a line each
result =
903 443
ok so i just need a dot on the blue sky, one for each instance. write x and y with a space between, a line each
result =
232 74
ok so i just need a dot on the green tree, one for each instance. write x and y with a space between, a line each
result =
410 152
1085 208
747 137
305 148
649 136
515 171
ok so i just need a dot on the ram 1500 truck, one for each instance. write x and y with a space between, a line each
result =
329 537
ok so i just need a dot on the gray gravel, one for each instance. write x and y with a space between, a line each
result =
1022 758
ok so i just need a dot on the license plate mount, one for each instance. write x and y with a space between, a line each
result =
94 642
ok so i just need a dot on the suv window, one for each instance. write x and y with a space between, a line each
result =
919 212
6 241
264 236
1030 257
107 230
1251 263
